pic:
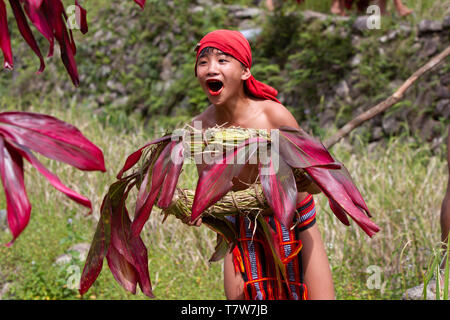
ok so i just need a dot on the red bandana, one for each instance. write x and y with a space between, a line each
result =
235 44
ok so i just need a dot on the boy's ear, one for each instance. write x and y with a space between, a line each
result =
246 73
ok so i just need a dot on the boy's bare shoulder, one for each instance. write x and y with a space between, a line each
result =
278 115
205 117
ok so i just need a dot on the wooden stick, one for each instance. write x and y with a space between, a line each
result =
389 102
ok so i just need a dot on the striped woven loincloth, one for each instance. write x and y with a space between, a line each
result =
253 257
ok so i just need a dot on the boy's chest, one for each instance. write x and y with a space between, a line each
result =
249 173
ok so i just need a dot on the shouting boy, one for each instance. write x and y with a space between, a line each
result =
237 99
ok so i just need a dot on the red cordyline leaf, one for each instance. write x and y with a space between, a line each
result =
141 3
34 3
300 150
333 179
52 138
173 173
82 15
5 42
49 18
38 17
25 30
164 174
336 185
122 270
293 148
132 249
21 132
57 20
102 238
52 178
127 256
135 156
216 178
280 190
18 206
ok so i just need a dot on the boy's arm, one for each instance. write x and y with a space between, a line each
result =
316 267
317 273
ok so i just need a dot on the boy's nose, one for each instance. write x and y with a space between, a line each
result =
212 68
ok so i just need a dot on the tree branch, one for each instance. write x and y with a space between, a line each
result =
389 102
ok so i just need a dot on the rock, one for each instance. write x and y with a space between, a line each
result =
377 134
426 26
196 9
356 60
247 24
416 293
390 125
391 35
3 220
251 34
430 47
63 259
360 24
232 8
443 92
4 289
343 32
342 89
81 248
424 99
445 80
105 70
374 146
205 2
443 108
356 40
437 143
405 29
330 30
248 13
446 23
327 118
428 129
309 15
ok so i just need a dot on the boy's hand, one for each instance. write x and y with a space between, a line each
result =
186 219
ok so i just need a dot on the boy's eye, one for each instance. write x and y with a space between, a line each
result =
223 60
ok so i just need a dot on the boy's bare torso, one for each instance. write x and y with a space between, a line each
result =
258 120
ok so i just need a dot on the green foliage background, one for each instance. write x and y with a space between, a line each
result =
124 101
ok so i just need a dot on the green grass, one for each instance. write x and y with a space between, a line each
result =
403 184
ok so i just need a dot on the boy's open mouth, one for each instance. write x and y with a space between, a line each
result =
215 87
